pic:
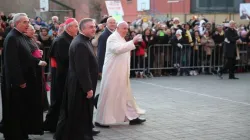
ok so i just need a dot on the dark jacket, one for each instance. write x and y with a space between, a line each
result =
218 39
7 30
19 111
77 111
60 51
174 41
230 48
101 48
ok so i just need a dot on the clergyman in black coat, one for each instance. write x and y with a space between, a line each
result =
19 84
59 51
76 116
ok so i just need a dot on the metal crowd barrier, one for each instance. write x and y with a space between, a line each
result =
244 57
161 57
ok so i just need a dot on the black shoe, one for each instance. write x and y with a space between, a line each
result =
95 131
88 138
1 127
137 121
100 125
219 74
47 128
214 72
208 73
26 137
233 78
188 74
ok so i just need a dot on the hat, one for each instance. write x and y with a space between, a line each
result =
219 25
69 20
120 22
176 19
197 23
61 25
243 32
178 32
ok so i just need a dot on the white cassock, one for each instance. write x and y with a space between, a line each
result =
116 102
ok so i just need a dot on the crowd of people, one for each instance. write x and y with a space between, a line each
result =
195 51
196 43
77 54
74 75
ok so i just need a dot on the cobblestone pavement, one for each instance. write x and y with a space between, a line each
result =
186 108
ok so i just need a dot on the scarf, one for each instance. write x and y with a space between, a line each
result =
189 36
178 38
221 33
44 37
197 40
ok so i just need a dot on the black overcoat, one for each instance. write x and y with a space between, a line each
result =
20 105
76 116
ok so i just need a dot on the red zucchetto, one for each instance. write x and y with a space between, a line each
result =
69 20
61 25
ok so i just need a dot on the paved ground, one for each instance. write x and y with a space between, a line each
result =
187 108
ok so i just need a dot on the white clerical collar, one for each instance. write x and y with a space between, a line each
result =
85 36
17 30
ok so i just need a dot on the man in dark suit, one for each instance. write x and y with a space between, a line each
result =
110 28
77 109
231 37
19 84
101 48
59 51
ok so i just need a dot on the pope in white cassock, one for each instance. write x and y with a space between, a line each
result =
116 103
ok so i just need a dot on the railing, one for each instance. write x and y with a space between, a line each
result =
161 57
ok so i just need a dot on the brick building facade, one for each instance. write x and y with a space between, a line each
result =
157 8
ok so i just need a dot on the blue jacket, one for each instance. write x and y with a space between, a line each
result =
42 23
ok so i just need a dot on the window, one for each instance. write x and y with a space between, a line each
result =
210 6
203 3
216 3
